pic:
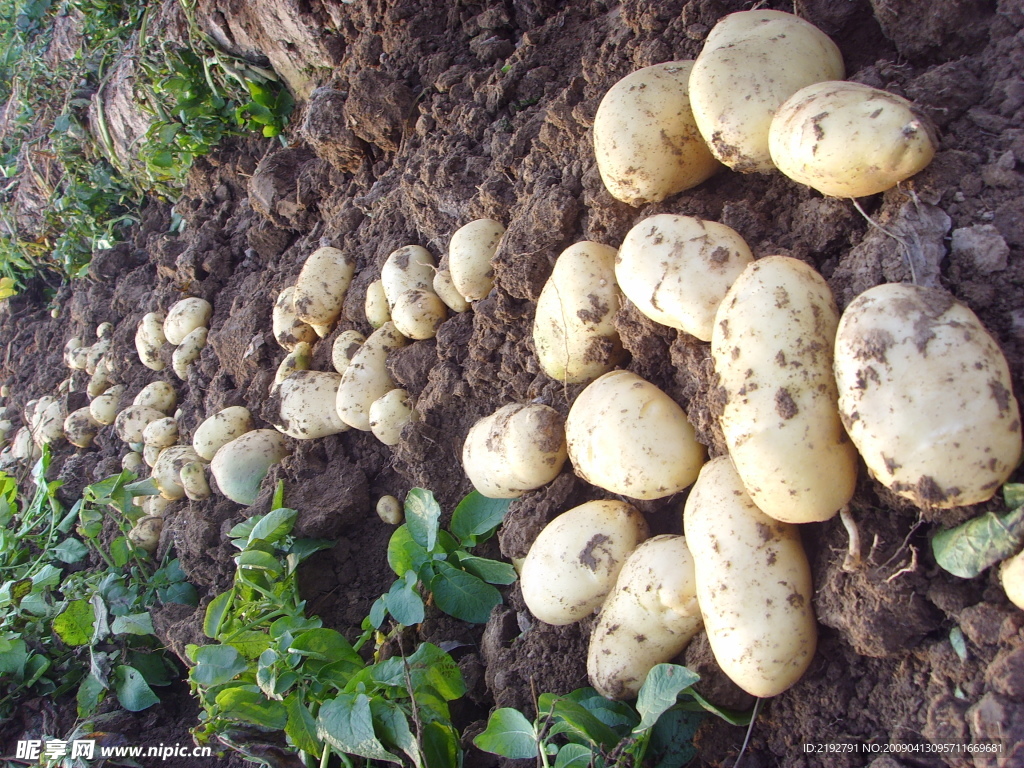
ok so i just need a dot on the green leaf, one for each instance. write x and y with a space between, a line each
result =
70 551
153 667
730 716
378 612
13 660
325 645
261 561
133 692
89 695
431 666
476 517
145 487
250 706
508 734
404 603
462 594
216 665
273 526
303 548
120 551
74 624
249 642
574 756
392 727
179 592
578 720
422 516
440 745
671 740
660 690
294 625
215 613
1013 495
301 726
133 624
491 571
969 549
404 554
346 723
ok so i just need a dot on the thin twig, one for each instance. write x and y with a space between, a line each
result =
750 730
893 235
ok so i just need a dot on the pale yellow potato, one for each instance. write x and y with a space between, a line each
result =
288 329
159 395
72 358
151 454
753 584
130 422
376 305
162 433
573 330
23 447
926 396
367 377
193 481
47 422
219 429
850 140
677 269
418 313
240 465
344 349
99 382
752 61
1011 576
406 269
389 509
321 286
574 561
96 354
389 413
146 533
299 359
627 436
307 405
469 257
134 463
772 347
516 449
184 317
645 138
167 470
449 294
80 427
649 618
188 352
149 339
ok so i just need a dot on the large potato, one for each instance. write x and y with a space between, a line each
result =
627 436
406 269
573 329
850 140
645 139
650 617
221 428
572 565
753 61
926 396
418 313
676 269
367 378
753 584
469 257
159 395
772 346
184 317
321 286
514 450
307 405
239 466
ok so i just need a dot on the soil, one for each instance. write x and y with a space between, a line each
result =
418 117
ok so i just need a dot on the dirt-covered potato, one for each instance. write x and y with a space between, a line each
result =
1011 576
299 359
389 509
406 269
645 138
130 422
162 433
321 286
184 317
146 533
753 61
149 339
167 470
159 395
240 465
289 330
193 481
514 450
80 427
307 405
772 347
74 354
99 382
418 313
572 565
389 413
753 584
344 349
219 429
850 140
926 396
151 454
627 436
445 288
469 257
188 352
367 377
376 305
47 422
134 463
573 330
650 617
676 269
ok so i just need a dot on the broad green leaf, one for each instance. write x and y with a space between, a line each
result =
144 487
378 612
508 734
660 690
404 554
74 624
215 613
581 722
301 726
89 695
430 666
392 727
618 715
491 571
273 526
1013 495
404 603
20 589
12 661
422 515
153 667
133 624
249 642
258 560
303 548
120 551
324 644
216 665
251 706
70 551
574 756
462 594
179 592
671 739
969 549
133 692
476 517
440 745
346 723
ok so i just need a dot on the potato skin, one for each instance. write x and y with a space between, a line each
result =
367 378
753 584
240 465
321 286
469 257
1011 576
926 395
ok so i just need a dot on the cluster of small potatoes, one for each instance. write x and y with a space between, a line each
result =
184 326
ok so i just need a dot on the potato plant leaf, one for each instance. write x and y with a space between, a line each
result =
133 692
346 723
301 726
133 624
403 601
74 624
216 664
476 517
969 549
659 692
463 595
251 706
422 515
508 734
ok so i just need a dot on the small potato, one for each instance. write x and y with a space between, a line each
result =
289 330
418 313
47 422
155 506
469 257
71 356
377 310
407 269
149 339
99 382
676 269
645 139
753 584
105 331
219 429
1011 576
188 352
151 454
134 463
23 447
162 433
130 422
573 330
514 450
80 428
753 61
389 509
193 481
448 293
146 533
95 355
627 436
299 359
184 317
572 565
307 405
167 470
389 414
344 349
850 140
650 617
240 465
321 286
159 395
772 347
367 377
926 396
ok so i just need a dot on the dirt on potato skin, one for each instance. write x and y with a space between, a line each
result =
433 114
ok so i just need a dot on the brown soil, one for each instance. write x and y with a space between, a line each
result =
433 114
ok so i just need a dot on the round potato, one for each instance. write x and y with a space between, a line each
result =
469 257
240 465
321 286
418 313
104 407
299 359
167 470
219 429
80 427
307 405
389 509
184 317
130 422
344 349
162 433
159 395
407 269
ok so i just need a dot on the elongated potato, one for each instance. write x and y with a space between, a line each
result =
627 436
159 395
184 317
469 257
926 396
149 339
307 409
753 61
367 377
772 346
645 138
573 329
344 349
289 330
188 352
753 584
240 465
321 286
219 429
445 288
376 306
650 617
572 565
406 269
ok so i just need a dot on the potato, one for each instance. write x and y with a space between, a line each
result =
240 465
448 293
926 396
1011 576
676 269
72 358
307 405
650 616
753 584
389 509
469 257
772 347
162 433
130 422
389 413
377 310
321 286
80 428
154 506
167 470
627 436
406 269
418 313
367 377
193 481
133 462
645 139
850 140
99 382
47 423
95 355
105 331
149 339
146 533
289 330
23 447
572 565
751 63
344 349
219 429
188 352
151 454
184 317
514 450
159 395
299 359
573 329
